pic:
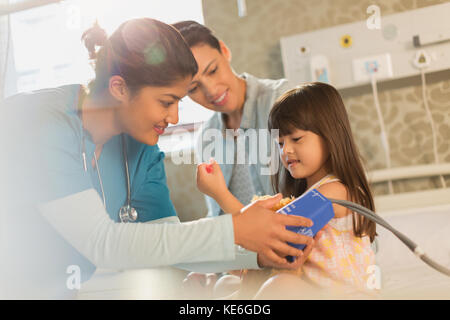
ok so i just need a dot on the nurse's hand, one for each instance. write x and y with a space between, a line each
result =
259 229
265 262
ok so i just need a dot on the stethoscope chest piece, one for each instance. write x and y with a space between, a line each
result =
127 214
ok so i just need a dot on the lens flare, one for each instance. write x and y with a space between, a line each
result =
155 54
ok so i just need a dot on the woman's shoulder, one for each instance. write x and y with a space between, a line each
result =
266 93
266 85
45 106
66 95
46 115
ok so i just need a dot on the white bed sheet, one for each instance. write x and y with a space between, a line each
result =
405 276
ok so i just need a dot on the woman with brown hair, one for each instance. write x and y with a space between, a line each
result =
242 103
81 160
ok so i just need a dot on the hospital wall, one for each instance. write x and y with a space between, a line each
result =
254 42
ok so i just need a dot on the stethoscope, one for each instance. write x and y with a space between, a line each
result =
126 213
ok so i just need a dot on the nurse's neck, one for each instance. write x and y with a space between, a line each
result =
99 120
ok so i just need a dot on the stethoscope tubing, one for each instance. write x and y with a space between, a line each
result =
127 171
127 208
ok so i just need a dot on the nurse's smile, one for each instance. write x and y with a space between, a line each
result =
159 130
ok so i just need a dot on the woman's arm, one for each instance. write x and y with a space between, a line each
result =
82 220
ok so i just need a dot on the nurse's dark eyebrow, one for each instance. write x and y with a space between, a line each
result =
207 67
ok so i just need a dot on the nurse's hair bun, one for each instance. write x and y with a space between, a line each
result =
94 37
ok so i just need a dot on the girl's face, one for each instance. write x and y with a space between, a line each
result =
216 86
304 154
147 114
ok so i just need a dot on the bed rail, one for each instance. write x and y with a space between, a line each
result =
397 202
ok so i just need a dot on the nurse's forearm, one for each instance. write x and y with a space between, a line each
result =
84 223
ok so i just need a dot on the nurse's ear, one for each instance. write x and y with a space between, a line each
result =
226 52
119 89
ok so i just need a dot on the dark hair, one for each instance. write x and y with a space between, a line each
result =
195 34
144 52
318 107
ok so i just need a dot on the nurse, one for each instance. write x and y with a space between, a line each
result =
242 104
68 154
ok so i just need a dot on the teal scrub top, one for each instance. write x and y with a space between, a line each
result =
42 135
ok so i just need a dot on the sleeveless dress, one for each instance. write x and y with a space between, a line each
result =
339 258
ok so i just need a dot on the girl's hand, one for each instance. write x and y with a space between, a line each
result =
210 179
211 182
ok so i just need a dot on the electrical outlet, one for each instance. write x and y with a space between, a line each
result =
422 59
378 66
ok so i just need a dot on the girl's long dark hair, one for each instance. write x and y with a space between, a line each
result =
318 107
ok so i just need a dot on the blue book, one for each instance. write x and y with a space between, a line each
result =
312 205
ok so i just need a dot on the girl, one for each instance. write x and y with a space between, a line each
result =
317 150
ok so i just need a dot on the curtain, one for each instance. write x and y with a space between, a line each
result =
4 47
4 40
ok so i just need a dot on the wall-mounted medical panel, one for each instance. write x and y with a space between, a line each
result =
349 55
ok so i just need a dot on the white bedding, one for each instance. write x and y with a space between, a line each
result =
404 276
